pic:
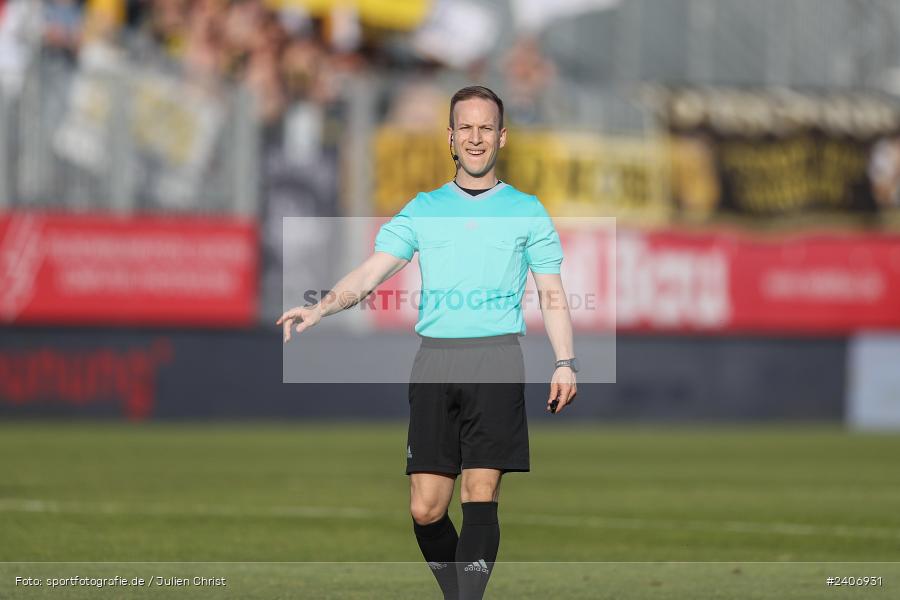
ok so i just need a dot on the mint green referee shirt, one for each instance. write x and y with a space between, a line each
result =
474 256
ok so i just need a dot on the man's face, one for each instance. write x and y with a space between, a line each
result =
476 136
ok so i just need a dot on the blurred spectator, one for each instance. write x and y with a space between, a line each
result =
168 26
242 20
420 104
203 55
62 27
529 77
302 67
342 29
263 72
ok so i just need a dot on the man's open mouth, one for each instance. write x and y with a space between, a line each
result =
475 152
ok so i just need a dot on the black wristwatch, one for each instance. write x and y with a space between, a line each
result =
572 363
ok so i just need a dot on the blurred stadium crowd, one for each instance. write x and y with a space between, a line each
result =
304 62
280 53
284 51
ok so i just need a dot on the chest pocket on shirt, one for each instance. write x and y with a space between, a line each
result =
435 257
503 260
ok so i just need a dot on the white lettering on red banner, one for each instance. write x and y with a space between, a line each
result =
103 269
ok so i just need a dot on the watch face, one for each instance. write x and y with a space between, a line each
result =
574 364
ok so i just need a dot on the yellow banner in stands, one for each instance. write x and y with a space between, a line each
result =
573 174
389 14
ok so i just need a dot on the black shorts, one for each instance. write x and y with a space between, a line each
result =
467 406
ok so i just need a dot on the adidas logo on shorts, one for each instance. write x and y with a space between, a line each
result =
437 566
479 566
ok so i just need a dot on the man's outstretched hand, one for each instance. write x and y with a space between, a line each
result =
303 316
562 389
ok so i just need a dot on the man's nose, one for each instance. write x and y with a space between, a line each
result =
476 135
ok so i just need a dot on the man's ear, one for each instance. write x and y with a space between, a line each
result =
503 137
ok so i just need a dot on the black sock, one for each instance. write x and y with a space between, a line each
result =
437 541
477 548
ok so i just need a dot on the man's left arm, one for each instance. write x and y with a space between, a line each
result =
558 323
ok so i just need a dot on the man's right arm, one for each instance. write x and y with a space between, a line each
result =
346 293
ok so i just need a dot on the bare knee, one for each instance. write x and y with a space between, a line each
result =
429 496
480 485
480 491
424 512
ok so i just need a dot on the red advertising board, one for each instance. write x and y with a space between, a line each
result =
721 281
101 269
804 283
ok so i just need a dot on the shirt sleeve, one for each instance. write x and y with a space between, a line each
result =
398 236
544 250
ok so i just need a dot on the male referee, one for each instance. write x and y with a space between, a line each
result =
477 237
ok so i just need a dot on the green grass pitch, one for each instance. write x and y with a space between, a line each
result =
319 510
